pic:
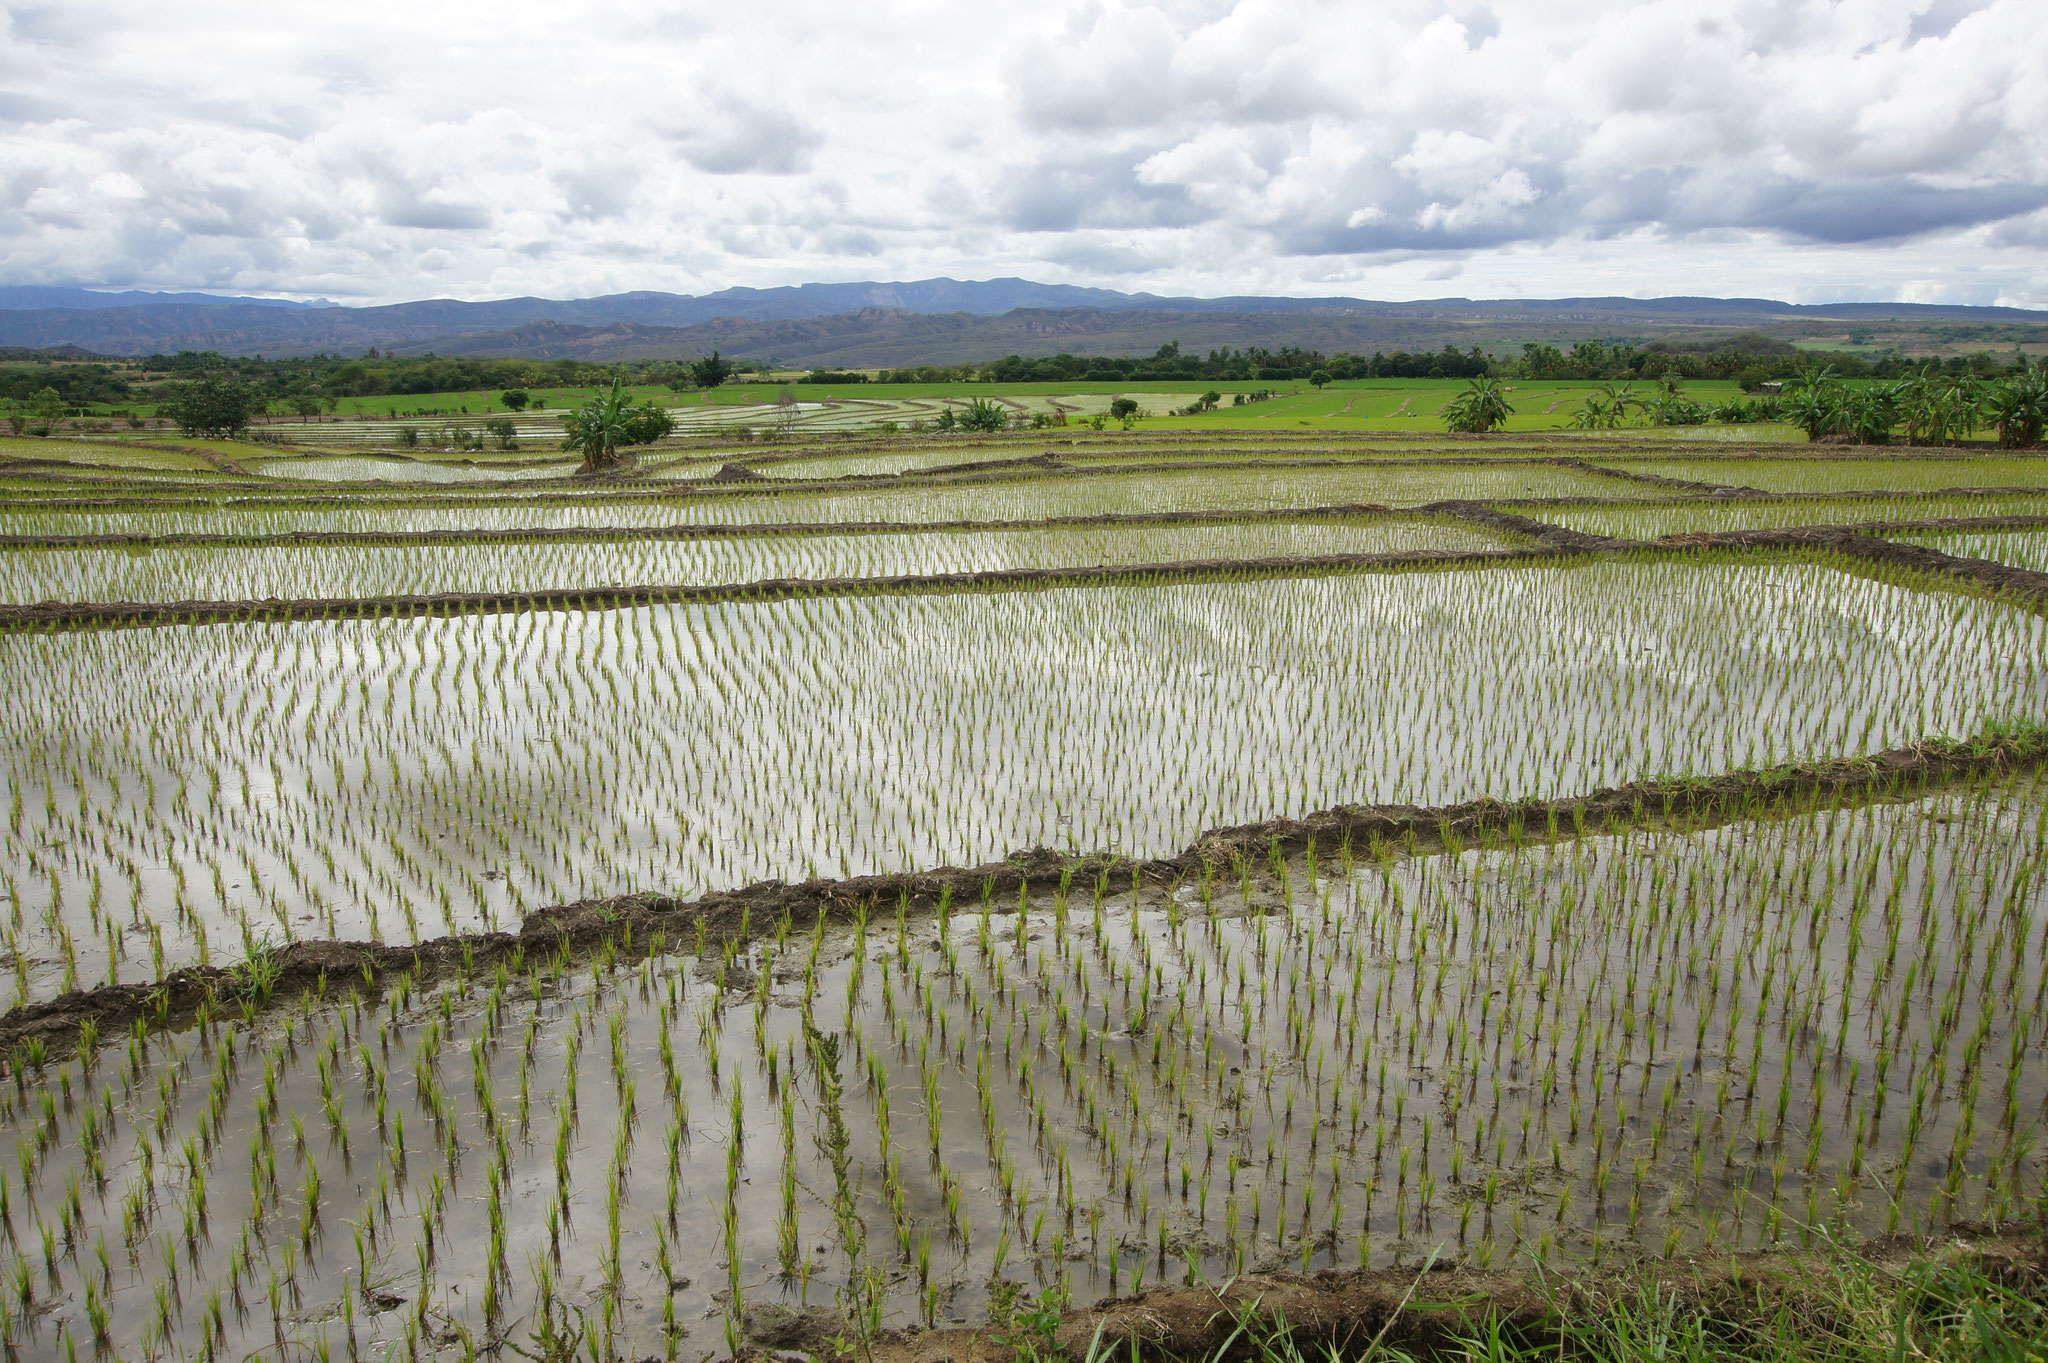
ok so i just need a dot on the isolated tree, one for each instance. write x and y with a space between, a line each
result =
1319 378
647 423
515 399
47 407
306 405
1123 408
710 371
1483 406
217 407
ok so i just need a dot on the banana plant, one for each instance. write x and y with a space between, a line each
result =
599 427
1940 409
2019 408
1483 406
1606 409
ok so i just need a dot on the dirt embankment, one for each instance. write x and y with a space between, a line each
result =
633 920
1432 1312
1545 533
1659 480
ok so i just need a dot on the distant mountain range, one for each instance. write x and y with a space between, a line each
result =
929 321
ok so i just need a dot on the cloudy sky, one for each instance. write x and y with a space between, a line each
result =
1802 149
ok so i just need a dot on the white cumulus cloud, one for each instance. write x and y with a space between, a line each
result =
1790 147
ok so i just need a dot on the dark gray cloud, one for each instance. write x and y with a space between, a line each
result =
1938 18
734 135
1879 210
1066 193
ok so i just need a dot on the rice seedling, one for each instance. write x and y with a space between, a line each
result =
1535 1038
476 803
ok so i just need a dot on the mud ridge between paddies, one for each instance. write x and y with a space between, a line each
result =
1443 1309
650 922
1553 544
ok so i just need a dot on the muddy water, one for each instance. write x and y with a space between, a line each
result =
1647 1043
404 779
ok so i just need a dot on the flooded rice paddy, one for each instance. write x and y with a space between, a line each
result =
181 795
2015 548
1713 515
330 570
1658 1041
1796 1021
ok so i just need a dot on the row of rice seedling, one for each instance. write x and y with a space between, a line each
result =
62 475
1017 496
2014 548
871 463
330 570
358 468
1834 473
1678 516
1667 1040
104 454
1082 450
402 778
1037 494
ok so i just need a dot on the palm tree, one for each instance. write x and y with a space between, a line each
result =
1483 406
599 428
